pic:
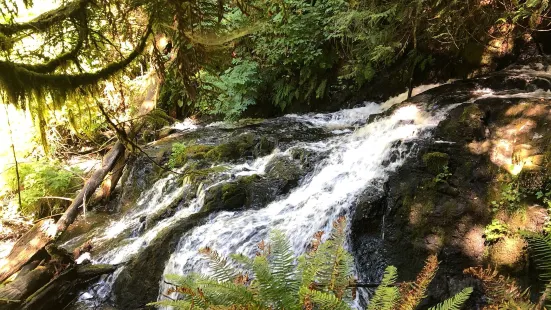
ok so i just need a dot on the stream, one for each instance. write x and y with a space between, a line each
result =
354 151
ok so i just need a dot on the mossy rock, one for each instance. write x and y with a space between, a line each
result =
138 283
230 195
472 116
284 168
195 174
436 161
181 154
236 148
265 146
472 53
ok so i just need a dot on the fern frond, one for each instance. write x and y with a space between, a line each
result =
270 290
175 304
282 261
387 294
456 302
540 245
328 267
226 293
412 294
222 270
321 300
500 290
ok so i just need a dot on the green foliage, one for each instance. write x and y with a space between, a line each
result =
540 246
387 294
43 179
178 155
495 231
510 197
442 176
233 91
272 279
456 302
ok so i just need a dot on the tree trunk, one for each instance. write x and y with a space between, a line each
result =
24 286
91 185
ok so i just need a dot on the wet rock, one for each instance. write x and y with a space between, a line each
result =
138 282
282 174
486 143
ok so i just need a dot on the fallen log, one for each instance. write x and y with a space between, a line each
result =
46 231
24 286
61 290
42 234
27 246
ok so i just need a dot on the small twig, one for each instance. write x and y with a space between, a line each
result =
56 197
14 158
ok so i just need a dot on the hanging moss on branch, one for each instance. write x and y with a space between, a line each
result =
20 83
46 20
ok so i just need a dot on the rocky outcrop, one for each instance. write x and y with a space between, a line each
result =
485 164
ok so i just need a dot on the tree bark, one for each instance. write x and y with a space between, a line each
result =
24 286
46 231
91 185
27 246
60 291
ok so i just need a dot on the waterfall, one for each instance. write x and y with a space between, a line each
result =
355 161
357 156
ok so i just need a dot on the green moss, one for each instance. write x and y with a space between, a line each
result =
182 153
234 149
265 146
436 161
472 116
230 195
472 53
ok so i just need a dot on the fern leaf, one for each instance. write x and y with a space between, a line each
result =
282 261
321 300
412 295
387 294
541 248
500 290
222 270
456 302
175 304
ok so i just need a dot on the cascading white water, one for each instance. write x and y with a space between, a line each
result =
354 162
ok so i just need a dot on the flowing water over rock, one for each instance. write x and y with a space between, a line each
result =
322 166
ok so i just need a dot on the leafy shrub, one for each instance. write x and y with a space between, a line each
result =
43 179
510 197
233 91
